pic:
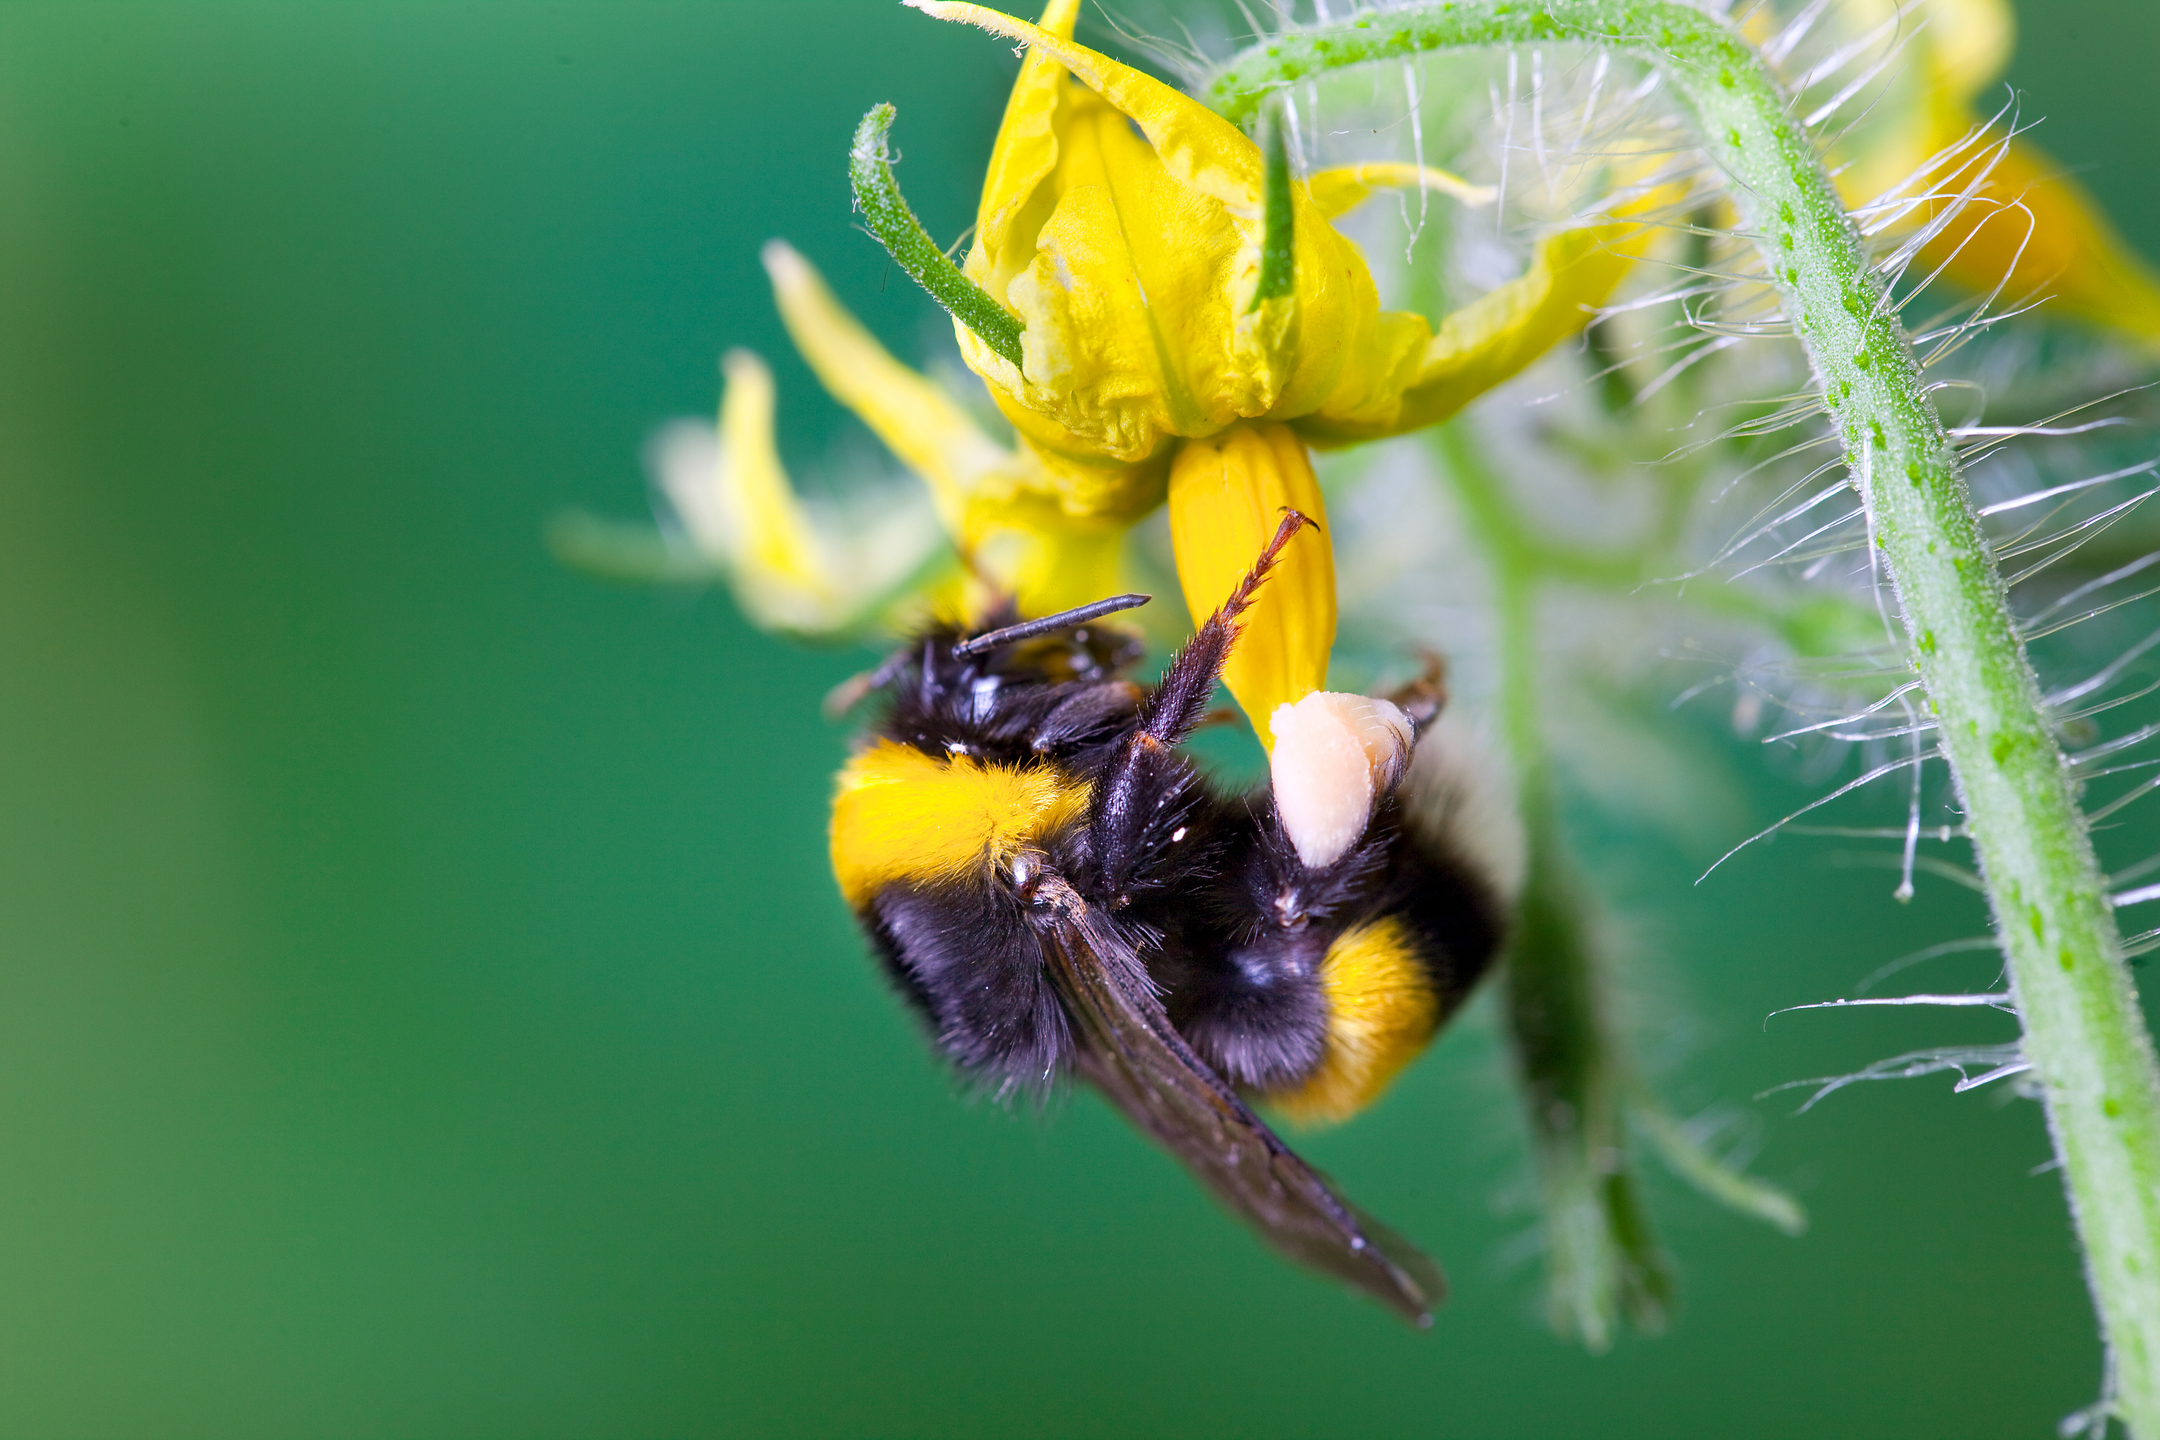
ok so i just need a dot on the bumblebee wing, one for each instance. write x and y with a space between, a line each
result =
1129 1050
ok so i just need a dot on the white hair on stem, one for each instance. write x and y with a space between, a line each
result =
1994 1062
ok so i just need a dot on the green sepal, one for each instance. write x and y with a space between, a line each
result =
1278 242
877 196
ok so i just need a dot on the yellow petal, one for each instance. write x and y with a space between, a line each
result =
1002 507
1227 496
2030 228
1499 334
1198 146
1022 159
788 572
1055 567
918 421
1122 301
770 534
1971 41
1342 188
751 517
2037 225
1139 322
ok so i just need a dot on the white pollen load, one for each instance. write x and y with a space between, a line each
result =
1334 756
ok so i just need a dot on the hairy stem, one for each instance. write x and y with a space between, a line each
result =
2084 1036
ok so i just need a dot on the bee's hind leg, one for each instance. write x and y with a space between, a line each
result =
1422 699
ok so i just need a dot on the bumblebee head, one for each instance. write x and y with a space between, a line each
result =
1004 649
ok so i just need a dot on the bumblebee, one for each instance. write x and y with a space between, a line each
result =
1057 890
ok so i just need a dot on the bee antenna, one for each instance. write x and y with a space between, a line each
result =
1063 620
857 688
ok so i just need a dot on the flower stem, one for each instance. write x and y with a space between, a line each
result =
2084 1035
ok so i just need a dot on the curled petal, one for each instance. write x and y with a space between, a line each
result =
746 511
1227 496
767 535
1199 147
1023 158
738 509
1343 188
1499 334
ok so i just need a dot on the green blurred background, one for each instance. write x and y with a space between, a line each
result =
424 1010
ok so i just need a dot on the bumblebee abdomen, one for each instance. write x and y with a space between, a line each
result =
1427 921
1382 1009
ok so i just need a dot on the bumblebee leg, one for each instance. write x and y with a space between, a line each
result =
1424 698
1146 800
1182 699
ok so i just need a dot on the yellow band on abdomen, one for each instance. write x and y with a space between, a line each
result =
1381 1013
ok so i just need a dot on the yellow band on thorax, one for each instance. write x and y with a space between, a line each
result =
899 814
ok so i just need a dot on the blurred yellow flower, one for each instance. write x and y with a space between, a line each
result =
1191 321
2028 226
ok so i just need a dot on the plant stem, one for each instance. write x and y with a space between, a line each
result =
1602 1262
2085 1038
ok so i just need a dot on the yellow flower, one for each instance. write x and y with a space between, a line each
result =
1134 261
1128 228
2029 227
